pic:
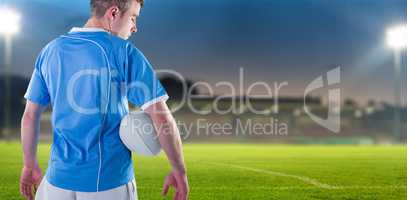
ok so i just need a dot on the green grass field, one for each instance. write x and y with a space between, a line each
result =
235 171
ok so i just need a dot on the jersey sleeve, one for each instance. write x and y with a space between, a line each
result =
37 90
143 87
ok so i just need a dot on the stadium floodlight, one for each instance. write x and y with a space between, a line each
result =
397 37
9 26
9 21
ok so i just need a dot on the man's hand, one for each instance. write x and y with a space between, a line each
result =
177 179
29 181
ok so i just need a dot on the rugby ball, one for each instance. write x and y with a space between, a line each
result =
138 134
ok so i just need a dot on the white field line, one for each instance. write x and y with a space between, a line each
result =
306 179
274 173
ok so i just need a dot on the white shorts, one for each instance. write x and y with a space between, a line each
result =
46 191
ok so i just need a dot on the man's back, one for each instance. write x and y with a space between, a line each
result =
73 74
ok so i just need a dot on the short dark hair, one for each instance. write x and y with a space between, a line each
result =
99 7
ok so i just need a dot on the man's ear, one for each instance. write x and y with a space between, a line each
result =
113 12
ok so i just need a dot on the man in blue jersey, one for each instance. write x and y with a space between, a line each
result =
88 76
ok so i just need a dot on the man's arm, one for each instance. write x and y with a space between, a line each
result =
30 128
170 140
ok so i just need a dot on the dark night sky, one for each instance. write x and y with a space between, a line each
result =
274 40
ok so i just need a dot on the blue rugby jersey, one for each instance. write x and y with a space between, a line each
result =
72 74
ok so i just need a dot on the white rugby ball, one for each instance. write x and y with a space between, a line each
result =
138 134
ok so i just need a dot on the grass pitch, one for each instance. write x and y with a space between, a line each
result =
257 171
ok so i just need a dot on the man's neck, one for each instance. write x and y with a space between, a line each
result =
97 23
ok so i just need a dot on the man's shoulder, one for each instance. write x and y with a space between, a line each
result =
49 46
125 47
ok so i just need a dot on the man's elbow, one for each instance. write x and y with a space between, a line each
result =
159 113
32 114
28 120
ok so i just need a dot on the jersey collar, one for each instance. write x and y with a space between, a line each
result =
85 29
